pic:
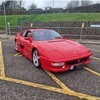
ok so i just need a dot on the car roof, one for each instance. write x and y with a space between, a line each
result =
37 29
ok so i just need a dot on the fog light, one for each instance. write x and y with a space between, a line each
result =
58 64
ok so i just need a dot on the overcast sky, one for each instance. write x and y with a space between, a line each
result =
47 3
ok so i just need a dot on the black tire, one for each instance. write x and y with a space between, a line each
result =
36 59
16 46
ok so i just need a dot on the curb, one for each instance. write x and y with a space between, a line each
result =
90 43
4 37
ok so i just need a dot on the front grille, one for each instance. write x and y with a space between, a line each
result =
77 61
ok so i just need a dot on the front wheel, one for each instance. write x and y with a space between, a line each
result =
36 59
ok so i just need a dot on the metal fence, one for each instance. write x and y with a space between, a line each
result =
70 32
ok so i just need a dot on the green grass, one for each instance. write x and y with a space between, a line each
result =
13 19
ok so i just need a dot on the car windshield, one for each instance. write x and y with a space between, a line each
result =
44 35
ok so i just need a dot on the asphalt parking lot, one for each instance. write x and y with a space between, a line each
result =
20 80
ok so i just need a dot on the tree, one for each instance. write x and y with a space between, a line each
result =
13 4
21 3
32 6
86 3
7 4
73 4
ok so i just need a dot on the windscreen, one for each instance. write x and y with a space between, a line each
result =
44 35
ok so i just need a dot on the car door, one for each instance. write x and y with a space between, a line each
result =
26 44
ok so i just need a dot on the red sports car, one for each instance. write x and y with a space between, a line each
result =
49 50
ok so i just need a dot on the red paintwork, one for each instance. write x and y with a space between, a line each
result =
58 50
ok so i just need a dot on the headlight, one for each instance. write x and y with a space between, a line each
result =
58 64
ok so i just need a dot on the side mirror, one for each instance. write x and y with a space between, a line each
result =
28 38
62 36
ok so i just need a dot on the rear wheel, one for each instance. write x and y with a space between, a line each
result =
16 46
36 59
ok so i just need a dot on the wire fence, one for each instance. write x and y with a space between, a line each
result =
69 32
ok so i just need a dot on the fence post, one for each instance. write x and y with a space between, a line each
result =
81 32
21 27
9 28
58 29
31 25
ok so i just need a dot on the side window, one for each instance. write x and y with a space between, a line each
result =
29 34
24 34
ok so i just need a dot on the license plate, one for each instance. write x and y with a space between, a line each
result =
80 66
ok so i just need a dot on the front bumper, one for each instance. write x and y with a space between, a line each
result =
46 63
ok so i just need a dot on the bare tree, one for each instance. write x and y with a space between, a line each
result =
7 4
10 4
33 6
13 4
86 2
21 3
73 4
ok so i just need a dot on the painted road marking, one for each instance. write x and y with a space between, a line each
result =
90 70
46 87
95 58
18 55
2 69
63 90
69 91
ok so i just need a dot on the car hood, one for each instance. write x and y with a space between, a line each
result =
63 48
